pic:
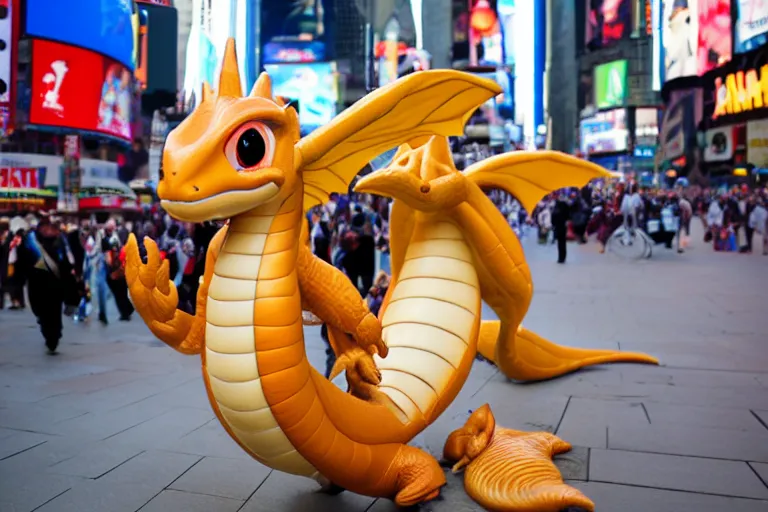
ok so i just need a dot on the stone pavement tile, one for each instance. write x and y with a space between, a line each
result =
521 407
96 460
154 468
191 394
5 432
673 472
574 465
229 478
94 495
622 498
178 501
44 455
23 491
94 381
101 425
762 416
36 418
289 493
725 397
19 442
158 432
761 470
694 441
209 440
585 420
641 374
700 354
734 419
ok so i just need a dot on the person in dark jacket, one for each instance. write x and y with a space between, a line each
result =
49 267
560 216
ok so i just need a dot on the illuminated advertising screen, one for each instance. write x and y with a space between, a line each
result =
79 89
97 25
608 21
606 132
680 36
297 31
314 86
142 47
611 84
738 91
715 42
751 26
681 118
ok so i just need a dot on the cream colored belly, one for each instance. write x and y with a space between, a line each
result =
430 320
230 355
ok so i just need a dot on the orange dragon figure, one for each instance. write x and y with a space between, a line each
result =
242 159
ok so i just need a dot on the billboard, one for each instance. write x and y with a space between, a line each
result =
96 25
314 85
681 119
714 46
79 89
606 132
739 90
608 21
298 31
757 143
680 37
751 26
611 84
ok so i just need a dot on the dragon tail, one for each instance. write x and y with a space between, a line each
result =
524 355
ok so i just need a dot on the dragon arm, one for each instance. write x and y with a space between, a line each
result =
327 292
155 296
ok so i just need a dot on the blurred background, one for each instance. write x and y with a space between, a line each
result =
661 89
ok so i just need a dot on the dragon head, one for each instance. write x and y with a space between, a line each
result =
232 153
424 178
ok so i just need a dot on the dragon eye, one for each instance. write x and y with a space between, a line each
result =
250 147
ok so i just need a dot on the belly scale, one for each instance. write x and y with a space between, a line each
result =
429 321
230 353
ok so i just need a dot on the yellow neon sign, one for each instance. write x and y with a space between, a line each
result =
742 91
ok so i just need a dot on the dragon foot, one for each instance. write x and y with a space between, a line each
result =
419 477
509 470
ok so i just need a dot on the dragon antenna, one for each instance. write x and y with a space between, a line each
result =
263 87
229 81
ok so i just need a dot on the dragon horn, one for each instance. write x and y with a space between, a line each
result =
207 92
229 80
263 87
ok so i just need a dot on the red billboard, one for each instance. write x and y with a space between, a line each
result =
166 3
79 89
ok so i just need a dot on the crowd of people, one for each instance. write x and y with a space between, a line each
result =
62 265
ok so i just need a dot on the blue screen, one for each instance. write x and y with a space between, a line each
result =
103 26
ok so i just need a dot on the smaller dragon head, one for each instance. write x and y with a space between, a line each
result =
232 153
424 178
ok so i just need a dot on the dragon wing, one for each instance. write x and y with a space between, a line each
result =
436 102
530 175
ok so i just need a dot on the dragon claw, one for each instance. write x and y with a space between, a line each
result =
153 293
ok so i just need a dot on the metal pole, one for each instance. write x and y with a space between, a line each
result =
370 71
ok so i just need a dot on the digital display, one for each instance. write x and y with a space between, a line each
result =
313 85
751 27
104 27
611 84
715 41
80 89
606 132
680 34
608 21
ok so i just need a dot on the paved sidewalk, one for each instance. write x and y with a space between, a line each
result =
119 422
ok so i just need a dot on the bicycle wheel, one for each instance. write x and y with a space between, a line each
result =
648 244
628 244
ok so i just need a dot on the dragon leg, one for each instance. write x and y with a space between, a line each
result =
524 355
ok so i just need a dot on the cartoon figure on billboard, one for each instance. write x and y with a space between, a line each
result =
53 81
